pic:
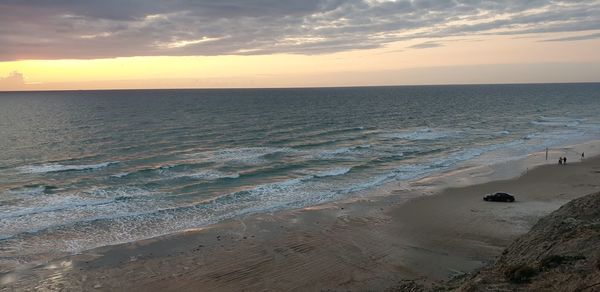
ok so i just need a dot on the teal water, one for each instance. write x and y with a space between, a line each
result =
84 169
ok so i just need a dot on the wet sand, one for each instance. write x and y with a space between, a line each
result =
367 244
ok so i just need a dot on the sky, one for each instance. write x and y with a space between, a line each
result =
124 44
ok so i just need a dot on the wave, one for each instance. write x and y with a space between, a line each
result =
423 134
159 169
32 190
246 155
297 192
262 155
333 172
205 175
13 197
557 121
120 174
62 204
48 168
330 153
50 211
66 202
75 214
412 171
119 227
557 137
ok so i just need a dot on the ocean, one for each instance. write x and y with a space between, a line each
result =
84 169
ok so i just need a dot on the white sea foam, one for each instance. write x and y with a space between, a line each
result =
204 175
423 134
122 221
67 208
333 172
46 168
332 153
557 121
28 191
120 174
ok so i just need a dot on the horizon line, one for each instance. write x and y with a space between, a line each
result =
294 87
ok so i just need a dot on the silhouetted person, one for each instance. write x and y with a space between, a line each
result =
560 160
565 160
582 155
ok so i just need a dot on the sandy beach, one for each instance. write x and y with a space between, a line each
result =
314 145
370 243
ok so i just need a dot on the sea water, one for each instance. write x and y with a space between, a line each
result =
84 169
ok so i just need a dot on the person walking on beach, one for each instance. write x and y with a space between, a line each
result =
560 160
565 160
582 155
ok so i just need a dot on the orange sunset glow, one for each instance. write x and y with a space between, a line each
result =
155 49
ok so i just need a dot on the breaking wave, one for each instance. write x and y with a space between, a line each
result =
47 168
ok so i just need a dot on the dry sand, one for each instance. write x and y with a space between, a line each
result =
368 244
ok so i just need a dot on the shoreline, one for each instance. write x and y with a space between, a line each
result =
479 168
368 242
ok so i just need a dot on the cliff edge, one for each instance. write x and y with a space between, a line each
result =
560 253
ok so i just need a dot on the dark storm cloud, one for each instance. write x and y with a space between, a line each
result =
44 29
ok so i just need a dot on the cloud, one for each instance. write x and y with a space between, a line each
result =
85 29
575 38
426 45
14 81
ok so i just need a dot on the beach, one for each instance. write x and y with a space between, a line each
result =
369 243
299 145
